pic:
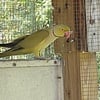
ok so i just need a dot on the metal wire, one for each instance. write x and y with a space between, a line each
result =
88 72
93 25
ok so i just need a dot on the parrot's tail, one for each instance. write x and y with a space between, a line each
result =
10 53
8 45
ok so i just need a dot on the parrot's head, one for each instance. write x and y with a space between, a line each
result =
61 31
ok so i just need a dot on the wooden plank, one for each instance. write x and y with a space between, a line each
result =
64 14
27 63
89 80
71 74
71 13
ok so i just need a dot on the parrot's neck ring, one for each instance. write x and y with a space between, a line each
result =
55 34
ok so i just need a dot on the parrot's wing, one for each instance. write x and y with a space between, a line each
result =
16 41
27 41
34 39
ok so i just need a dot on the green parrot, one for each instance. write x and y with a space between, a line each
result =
35 42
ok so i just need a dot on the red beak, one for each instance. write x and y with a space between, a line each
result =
67 34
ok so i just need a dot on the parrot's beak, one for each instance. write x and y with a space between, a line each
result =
67 34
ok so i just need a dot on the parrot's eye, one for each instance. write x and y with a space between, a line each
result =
62 29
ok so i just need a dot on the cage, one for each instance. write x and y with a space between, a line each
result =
80 70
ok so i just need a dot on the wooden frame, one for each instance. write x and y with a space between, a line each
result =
64 13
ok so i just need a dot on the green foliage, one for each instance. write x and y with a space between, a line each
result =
98 64
98 59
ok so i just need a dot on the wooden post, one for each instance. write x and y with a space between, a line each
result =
71 12
71 73
64 14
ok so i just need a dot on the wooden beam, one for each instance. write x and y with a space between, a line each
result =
71 73
64 14
80 24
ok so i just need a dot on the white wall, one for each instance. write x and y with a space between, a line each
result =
30 80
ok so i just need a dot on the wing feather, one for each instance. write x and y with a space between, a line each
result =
34 39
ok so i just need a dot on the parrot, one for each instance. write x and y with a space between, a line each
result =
36 42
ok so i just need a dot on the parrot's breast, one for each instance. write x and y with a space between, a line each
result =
45 43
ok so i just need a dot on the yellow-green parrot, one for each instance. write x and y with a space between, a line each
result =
35 42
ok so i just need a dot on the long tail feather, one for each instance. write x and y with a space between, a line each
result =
13 43
8 54
11 52
8 45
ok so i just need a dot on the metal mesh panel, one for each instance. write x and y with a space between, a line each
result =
93 31
22 17
87 23
88 73
93 24
80 25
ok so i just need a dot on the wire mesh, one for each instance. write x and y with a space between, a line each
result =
93 24
80 11
22 17
93 31
80 24
87 23
88 73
